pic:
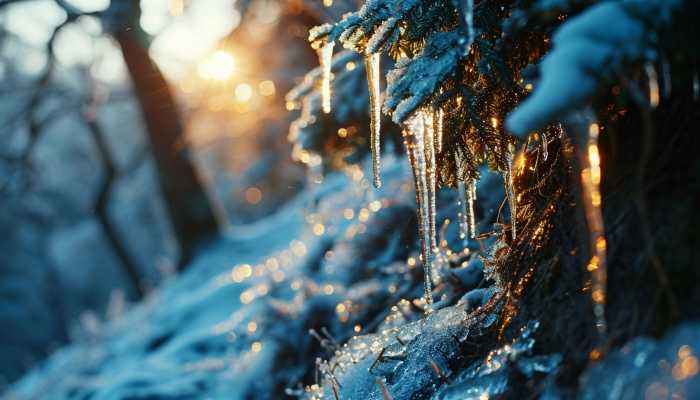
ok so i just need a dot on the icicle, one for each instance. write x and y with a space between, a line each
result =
414 141
583 125
590 183
545 146
510 192
373 77
439 119
463 212
429 137
471 207
325 56
653 85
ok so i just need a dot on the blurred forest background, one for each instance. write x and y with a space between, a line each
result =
84 222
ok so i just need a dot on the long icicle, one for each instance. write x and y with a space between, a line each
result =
429 137
413 135
372 66
471 205
590 184
325 57
510 193
462 210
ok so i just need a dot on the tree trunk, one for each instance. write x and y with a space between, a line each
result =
192 214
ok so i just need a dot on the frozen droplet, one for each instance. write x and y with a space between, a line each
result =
325 56
372 65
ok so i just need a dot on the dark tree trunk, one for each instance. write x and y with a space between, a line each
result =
129 267
192 214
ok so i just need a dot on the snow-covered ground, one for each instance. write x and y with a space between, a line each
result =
322 300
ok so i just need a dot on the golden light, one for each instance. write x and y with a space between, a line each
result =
243 92
267 88
253 195
348 213
252 327
219 66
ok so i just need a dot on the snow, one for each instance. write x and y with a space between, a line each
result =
588 49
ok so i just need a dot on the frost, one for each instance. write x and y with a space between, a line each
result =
491 377
414 81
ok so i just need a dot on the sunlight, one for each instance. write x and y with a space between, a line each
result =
244 92
219 66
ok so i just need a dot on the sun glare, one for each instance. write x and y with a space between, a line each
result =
219 66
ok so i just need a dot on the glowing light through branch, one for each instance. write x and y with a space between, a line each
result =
219 66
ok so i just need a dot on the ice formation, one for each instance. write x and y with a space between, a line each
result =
372 65
416 139
325 56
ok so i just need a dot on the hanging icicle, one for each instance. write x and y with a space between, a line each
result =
325 56
429 137
414 141
439 118
463 212
372 65
590 184
471 207
510 191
